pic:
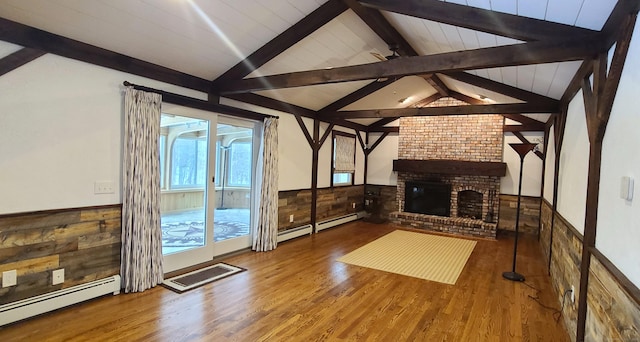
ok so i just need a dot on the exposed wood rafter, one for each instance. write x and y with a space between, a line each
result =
516 108
27 36
18 59
316 19
498 87
357 95
598 101
510 55
478 19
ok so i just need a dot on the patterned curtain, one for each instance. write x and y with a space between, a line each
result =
141 263
265 234
345 154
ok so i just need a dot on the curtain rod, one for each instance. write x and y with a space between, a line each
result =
192 102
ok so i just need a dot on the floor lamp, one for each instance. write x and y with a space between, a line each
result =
522 150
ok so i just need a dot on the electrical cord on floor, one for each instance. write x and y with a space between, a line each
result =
556 313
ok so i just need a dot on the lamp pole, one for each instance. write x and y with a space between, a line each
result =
522 150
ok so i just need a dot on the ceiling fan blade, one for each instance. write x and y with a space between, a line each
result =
378 56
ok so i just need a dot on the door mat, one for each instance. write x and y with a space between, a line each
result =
197 278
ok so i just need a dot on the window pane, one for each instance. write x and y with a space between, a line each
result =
201 170
240 164
189 162
341 178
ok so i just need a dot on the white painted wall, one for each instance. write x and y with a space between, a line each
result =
380 168
61 131
618 231
532 170
574 165
549 171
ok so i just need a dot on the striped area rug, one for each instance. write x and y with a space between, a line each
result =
425 256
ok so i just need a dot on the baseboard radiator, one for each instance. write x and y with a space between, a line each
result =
294 233
336 221
15 311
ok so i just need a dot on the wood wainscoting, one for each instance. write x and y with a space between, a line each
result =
85 242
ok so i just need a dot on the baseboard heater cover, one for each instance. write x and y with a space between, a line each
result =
336 221
294 233
29 307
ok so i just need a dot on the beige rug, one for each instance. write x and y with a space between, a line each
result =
431 257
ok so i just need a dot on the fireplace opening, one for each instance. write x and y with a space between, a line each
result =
470 204
427 198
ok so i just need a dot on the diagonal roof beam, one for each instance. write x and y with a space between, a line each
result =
381 27
316 19
437 84
379 24
503 24
357 95
28 36
512 108
510 55
498 87
18 59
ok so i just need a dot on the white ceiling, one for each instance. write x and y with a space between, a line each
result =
205 38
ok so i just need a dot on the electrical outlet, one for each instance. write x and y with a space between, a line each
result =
9 278
105 187
542 226
573 294
57 277
291 218
353 205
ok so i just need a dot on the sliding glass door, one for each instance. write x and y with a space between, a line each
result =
235 172
207 167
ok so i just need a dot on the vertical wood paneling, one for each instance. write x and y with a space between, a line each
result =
84 241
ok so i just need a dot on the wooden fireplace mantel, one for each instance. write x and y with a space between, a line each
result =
451 167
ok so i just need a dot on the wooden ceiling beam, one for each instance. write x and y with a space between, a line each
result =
523 128
385 129
437 84
18 59
357 95
28 36
266 102
516 108
617 18
382 122
316 19
468 99
379 24
427 100
510 55
503 24
523 119
498 87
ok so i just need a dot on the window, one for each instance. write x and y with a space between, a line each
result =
240 164
344 158
189 162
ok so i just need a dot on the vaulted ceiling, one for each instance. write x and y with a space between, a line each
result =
326 59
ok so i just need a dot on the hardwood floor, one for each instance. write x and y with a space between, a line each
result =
299 292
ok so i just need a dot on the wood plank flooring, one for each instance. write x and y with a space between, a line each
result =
299 292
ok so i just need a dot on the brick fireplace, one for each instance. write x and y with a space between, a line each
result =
461 152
